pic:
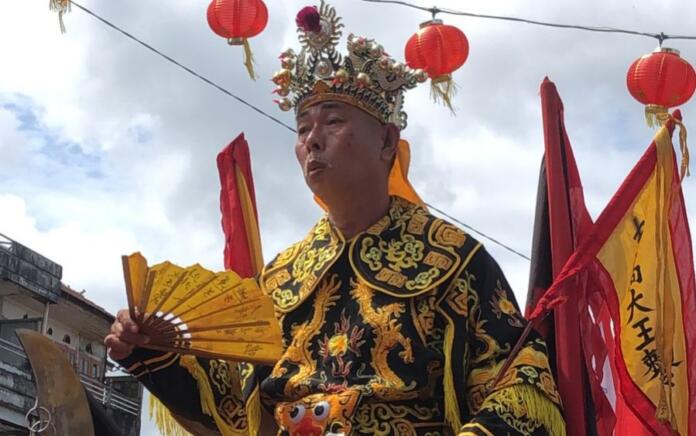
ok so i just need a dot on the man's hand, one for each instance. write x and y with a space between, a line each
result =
124 336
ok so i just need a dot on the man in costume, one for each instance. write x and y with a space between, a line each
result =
394 321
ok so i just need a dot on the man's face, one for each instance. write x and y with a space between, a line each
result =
341 148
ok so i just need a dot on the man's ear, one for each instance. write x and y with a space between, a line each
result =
392 135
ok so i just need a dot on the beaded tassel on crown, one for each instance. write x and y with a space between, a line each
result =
60 6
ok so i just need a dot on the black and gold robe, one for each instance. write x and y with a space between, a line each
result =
400 330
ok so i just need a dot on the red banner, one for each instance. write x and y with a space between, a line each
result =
238 206
637 272
561 222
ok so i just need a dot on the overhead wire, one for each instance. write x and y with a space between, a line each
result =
478 232
434 11
184 67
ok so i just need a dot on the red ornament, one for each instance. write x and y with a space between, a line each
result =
661 80
439 49
309 19
238 20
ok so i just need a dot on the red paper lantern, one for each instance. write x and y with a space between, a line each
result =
439 49
661 80
238 20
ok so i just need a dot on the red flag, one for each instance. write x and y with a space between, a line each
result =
560 223
238 206
636 268
242 249
242 236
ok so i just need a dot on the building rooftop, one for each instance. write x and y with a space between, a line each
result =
79 299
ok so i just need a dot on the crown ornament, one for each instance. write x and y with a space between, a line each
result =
366 77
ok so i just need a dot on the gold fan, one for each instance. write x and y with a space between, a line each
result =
196 311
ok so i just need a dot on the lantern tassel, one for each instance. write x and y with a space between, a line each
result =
249 60
61 6
443 88
656 115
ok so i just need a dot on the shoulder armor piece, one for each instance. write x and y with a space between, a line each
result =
408 252
291 277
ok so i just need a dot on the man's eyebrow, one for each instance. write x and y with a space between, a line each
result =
331 105
325 105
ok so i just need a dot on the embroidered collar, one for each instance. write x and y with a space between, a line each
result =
406 253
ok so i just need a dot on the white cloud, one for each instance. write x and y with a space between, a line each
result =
14 145
67 244
122 156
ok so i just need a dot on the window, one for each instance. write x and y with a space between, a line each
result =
66 339
88 348
95 371
50 331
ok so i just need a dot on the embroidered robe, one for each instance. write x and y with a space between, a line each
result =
399 331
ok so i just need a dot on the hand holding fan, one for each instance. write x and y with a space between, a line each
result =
196 311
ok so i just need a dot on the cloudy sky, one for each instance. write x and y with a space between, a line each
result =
106 149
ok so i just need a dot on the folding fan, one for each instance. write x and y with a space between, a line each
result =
196 311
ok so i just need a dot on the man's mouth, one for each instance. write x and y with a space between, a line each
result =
314 166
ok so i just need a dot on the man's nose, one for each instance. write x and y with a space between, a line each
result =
315 139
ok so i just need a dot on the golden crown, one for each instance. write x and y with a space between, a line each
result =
367 77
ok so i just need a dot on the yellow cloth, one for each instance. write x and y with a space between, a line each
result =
639 258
